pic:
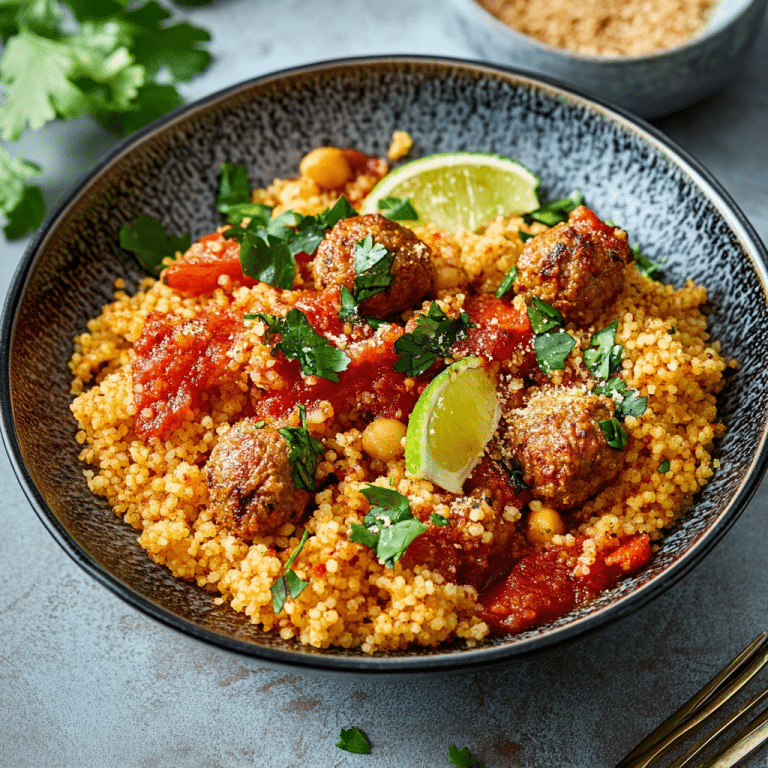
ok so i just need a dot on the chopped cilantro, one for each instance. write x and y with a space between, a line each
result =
663 467
436 519
672 331
398 209
350 311
20 201
552 349
389 527
507 283
330 217
234 187
434 335
463 758
615 433
524 236
373 263
304 452
260 423
299 341
631 405
353 740
644 265
513 470
147 239
557 211
543 317
603 357
289 582
267 259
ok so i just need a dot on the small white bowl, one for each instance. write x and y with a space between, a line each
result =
649 85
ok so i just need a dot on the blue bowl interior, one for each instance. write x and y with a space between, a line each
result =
626 171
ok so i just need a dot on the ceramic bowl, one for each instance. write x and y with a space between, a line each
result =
626 171
649 85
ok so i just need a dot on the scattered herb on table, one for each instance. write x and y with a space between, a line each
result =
289 582
116 61
353 740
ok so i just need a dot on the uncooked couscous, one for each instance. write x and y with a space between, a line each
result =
251 424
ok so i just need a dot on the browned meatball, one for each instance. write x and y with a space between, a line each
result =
576 267
250 481
334 263
564 454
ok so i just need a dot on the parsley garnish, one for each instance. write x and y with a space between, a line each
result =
350 311
289 582
299 341
663 467
543 316
234 187
117 62
463 758
552 347
507 283
603 356
389 527
372 267
147 239
434 335
524 236
353 740
615 433
268 259
644 265
436 519
557 211
397 209
513 470
304 452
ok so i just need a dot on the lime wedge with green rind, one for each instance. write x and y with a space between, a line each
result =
451 424
460 189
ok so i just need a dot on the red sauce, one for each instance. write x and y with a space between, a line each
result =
542 586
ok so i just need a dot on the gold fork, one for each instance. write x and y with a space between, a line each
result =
705 703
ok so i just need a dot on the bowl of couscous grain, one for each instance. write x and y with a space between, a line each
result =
652 58
141 496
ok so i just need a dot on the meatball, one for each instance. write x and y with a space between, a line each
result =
412 268
250 481
577 267
563 452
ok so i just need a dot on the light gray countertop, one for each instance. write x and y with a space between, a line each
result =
87 682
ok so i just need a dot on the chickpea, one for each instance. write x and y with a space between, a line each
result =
327 167
543 524
382 439
448 277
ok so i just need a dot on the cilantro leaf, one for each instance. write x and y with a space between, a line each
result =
21 202
557 211
663 467
507 283
436 519
330 217
463 758
304 452
631 405
397 209
234 186
389 527
289 582
353 740
543 317
615 433
434 336
524 236
267 259
147 239
152 100
373 263
300 341
644 265
603 356
552 349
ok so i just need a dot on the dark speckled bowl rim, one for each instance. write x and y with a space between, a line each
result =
398 666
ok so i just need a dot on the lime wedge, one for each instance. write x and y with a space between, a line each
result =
453 420
460 189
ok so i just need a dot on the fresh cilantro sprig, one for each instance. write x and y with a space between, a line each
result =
644 265
304 452
289 582
463 758
147 239
373 264
552 347
299 341
557 211
507 283
117 62
353 740
350 310
389 527
398 209
432 338
603 356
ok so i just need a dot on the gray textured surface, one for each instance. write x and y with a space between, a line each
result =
87 682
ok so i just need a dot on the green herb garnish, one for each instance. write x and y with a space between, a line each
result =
644 265
507 283
432 338
350 311
543 316
289 582
524 236
663 467
234 188
463 758
147 239
603 356
436 519
389 527
267 259
299 341
615 433
352 740
557 211
304 452
397 209
373 263
552 349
